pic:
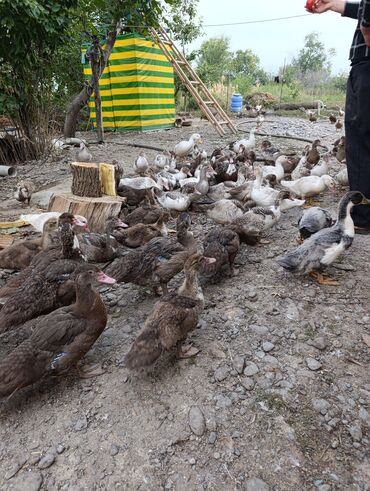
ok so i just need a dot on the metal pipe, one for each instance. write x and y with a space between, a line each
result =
6 171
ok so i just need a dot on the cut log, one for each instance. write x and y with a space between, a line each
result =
108 181
86 179
96 210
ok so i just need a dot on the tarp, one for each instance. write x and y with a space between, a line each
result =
137 87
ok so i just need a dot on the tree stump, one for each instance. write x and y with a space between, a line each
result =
86 179
95 210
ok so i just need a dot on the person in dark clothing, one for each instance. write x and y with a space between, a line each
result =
357 110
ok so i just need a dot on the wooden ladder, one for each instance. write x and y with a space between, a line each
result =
205 100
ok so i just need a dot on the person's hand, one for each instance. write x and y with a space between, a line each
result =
333 5
366 33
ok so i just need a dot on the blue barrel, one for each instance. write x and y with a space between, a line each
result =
236 103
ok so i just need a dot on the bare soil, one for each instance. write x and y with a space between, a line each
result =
280 425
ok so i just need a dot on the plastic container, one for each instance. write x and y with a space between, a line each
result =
236 103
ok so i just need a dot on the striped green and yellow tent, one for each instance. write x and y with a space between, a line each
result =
137 87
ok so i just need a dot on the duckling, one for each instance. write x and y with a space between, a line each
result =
254 222
37 292
83 155
141 183
141 233
339 150
313 220
223 244
175 200
183 148
324 247
153 265
200 184
268 149
60 339
171 319
162 159
141 164
248 144
146 213
277 169
313 156
262 195
312 117
260 120
301 170
19 255
322 167
339 124
24 192
100 248
342 177
332 118
223 211
310 185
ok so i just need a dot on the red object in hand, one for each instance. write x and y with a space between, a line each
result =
310 5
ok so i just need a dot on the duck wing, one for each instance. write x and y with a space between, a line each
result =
316 252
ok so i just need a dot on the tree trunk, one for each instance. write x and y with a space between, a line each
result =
95 61
96 210
86 180
82 98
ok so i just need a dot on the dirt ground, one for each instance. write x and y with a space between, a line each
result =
279 393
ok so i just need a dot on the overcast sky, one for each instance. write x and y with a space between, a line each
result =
274 41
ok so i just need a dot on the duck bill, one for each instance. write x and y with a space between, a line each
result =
209 260
365 201
121 224
103 278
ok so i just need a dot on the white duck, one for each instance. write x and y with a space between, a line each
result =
301 169
38 220
310 185
277 169
342 177
322 167
186 146
225 211
248 144
175 200
262 195
162 159
83 155
143 183
141 164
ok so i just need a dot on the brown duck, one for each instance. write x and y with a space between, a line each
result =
100 248
157 262
62 245
173 317
223 244
60 339
140 234
313 155
19 255
147 214
38 291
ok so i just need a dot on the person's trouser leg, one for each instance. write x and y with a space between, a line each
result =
357 125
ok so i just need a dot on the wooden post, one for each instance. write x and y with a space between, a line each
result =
86 179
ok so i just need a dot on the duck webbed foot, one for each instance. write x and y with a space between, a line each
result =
187 351
90 371
323 279
311 202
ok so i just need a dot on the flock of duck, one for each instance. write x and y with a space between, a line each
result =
244 188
